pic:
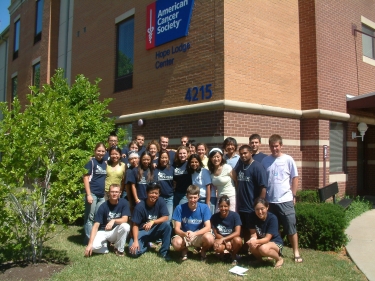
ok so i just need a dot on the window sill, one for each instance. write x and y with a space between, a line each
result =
339 177
368 60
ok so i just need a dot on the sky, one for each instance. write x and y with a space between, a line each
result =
4 14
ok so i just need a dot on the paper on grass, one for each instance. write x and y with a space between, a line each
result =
238 270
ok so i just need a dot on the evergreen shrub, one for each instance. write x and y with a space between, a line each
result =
307 196
321 226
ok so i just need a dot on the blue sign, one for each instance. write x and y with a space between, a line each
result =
167 20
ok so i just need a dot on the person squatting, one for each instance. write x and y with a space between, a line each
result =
218 199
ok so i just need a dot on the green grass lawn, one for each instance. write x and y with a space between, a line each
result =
67 246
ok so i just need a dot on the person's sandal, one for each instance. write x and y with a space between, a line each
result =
298 259
118 253
184 258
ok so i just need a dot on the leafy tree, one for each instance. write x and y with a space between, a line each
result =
44 148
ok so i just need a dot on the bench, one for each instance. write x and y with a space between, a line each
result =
331 191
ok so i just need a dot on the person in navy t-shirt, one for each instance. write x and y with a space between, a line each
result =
255 143
251 180
181 176
133 159
192 225
150 218
164 141
140 176
265 239
94 182
163 174
226 226
110 224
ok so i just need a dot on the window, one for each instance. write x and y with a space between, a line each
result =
38 20
16 43
368 41
124 55
14 87
336 147
36 75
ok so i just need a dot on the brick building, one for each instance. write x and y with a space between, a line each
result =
302 69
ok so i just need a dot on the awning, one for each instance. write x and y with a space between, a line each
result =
361 102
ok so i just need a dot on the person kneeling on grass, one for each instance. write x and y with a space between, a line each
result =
265 239
150 218
227 230
110 224
192 225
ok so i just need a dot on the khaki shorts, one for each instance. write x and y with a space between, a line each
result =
197 242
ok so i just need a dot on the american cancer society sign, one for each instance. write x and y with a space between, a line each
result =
167 20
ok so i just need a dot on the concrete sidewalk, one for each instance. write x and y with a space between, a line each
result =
361 247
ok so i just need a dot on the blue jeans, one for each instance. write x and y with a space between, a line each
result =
90 211
160 231
212 206
169 202
179 199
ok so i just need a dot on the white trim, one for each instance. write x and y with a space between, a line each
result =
368 60
368 22
338 178
35 61
351 144
245 107
14 74
351 163
311 164
314 142
125 15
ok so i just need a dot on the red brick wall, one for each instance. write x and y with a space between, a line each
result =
152 88
46 48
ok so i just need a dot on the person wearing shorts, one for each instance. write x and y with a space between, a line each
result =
282 186
192 225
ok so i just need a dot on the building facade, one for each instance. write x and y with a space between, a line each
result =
301 69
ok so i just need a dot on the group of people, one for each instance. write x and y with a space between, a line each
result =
216 199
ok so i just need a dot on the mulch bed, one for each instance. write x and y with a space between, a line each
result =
26 271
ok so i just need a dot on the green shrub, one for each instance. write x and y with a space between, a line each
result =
321 226
357 208
307 196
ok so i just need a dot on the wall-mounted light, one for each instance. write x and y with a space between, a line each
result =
362 128
141 122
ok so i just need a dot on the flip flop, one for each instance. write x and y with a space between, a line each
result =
298 259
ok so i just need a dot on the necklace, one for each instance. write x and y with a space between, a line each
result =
243 165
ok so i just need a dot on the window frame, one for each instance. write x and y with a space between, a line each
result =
14 88
36 66
38 17
343 150
124 82
16 39
366 34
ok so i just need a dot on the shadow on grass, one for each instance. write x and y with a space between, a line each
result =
77 238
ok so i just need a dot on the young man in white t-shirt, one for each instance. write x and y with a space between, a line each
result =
282 176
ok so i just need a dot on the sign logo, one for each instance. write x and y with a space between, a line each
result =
167 20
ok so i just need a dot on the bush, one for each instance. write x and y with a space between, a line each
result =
307 196
321 226
357 208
